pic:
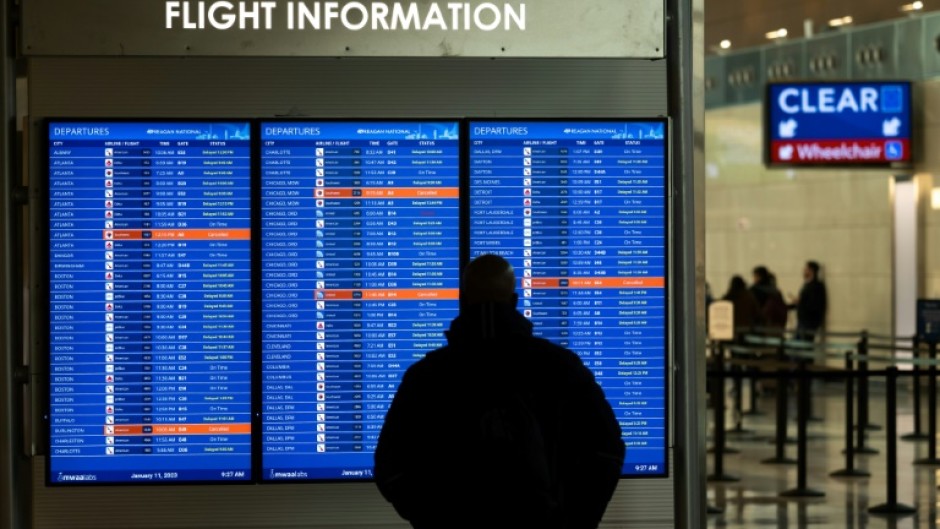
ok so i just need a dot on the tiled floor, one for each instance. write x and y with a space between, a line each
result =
755 500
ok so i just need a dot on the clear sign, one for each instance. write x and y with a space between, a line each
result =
838 124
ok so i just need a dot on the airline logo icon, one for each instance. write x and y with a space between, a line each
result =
109 153
527 151
109 163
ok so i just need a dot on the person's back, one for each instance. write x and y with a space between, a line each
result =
747 312
430 464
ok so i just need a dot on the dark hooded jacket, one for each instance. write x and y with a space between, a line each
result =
424 467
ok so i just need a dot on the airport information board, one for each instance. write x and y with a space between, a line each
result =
207 328
579 210
149 301
360 238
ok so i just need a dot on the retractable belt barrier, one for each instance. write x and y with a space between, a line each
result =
782 359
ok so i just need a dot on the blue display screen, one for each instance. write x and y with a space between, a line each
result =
149 302
579 210
360 264
205 326
840 123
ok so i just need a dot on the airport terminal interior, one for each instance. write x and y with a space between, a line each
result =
874 232
758 231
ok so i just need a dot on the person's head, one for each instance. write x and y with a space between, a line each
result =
737 285
761 274
489 279
811 271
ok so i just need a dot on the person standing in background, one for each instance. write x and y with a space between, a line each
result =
770 299
747 313
811 305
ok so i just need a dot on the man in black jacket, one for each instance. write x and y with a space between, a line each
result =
426 464
811 305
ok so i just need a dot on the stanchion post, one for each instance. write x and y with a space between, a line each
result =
892 507
864 399
802 490
718 405
931 458
752 384
918 433
861 422
780 437
849 471
738 380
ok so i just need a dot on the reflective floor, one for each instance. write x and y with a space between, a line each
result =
756 501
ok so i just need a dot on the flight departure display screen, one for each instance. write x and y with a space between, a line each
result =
360 263
579 210
149 302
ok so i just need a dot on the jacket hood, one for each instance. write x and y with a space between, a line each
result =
487 321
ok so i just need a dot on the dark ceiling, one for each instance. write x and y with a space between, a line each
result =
745 22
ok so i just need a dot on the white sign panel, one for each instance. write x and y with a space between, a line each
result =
721 320
515 28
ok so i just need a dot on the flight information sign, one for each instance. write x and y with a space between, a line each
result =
579 210
149 302
836 124
360 264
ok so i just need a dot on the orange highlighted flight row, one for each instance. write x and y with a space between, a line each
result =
594 282
405 294
178 429
391 192
177 235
